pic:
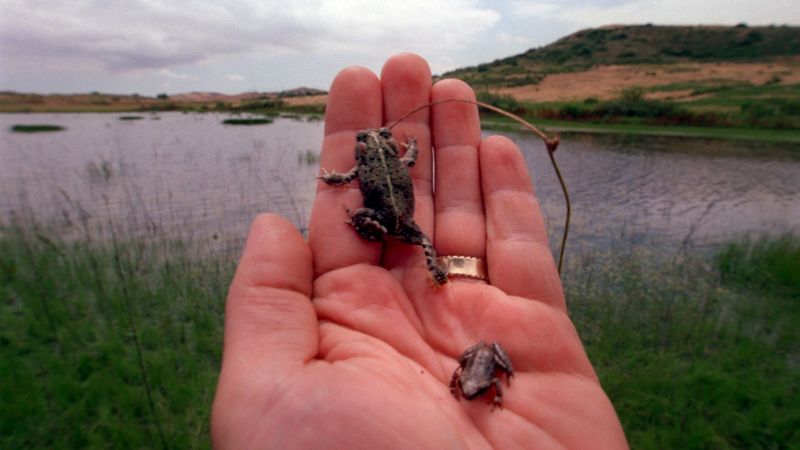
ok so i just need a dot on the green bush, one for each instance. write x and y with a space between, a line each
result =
504 102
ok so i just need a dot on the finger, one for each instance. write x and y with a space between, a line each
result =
269 319
354 103
406 84
460 222
518 254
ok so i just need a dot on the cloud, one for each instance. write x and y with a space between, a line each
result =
234 77
579 13
178 76
136 35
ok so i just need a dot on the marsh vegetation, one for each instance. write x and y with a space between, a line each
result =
36 128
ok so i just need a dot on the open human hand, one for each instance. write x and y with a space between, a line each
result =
342 343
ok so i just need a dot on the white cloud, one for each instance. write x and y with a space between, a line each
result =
234 77
534 9
664 12
178 76
508 38
135 35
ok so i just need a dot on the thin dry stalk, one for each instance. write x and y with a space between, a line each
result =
550 143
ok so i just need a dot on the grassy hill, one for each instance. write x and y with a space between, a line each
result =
646 75
637 44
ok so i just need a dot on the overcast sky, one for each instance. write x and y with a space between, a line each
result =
173 46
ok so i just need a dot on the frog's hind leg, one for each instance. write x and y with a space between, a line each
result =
367 224
502 361
497 400
413 235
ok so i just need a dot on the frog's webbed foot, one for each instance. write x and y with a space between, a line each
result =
410 158
413 235
367 224
338 179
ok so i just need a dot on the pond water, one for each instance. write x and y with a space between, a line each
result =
190 176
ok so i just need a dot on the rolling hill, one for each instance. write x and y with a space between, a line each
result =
636 45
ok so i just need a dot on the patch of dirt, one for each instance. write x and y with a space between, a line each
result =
210 97
607 82
306 100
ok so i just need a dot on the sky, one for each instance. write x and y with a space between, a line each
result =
173 46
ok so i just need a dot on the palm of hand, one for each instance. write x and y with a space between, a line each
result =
395 363
381 371
340 343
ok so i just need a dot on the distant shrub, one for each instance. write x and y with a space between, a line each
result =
772 113
572 111
504 102
750 39
525 81
264 103
775 79
633 94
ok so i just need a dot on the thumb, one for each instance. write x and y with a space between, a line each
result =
269 319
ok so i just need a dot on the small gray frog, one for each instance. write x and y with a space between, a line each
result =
477 372
388 193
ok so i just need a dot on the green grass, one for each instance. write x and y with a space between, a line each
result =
107 345
772 265
718 106
556 126
36 128
698 353
636 44
118 344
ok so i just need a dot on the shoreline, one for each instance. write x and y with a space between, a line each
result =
748 134
501 124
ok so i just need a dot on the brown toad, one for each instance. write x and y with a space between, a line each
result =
388 193
477 372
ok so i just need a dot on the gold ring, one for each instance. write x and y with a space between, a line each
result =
464 266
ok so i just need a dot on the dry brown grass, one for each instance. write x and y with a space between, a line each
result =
306 100
606 82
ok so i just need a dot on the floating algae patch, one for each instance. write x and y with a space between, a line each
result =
42 128
248 121
131 117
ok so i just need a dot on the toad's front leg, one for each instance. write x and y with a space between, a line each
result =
338 179
410 158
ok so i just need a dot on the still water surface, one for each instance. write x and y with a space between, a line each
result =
189 176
